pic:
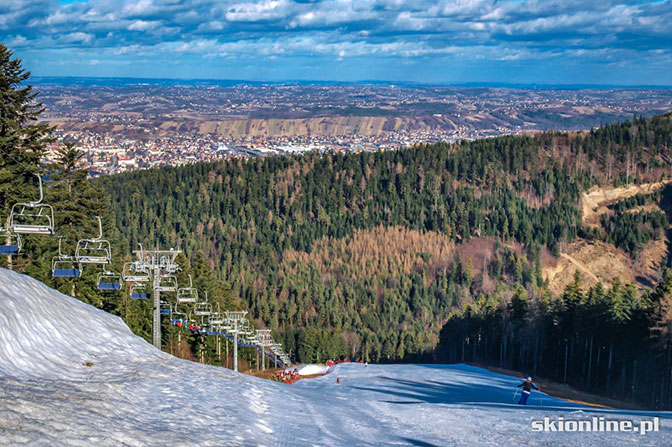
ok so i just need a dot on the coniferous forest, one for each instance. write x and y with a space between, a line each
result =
431 253
423 254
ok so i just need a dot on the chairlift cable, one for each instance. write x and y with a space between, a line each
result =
20 164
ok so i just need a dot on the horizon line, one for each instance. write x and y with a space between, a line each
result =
470 84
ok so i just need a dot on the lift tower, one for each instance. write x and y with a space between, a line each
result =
161 265
236 324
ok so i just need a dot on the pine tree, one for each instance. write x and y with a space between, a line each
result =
75 200
22 140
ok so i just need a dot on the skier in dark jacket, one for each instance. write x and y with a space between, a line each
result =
527 389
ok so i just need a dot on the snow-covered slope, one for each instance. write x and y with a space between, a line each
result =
134 395
49 335
310 370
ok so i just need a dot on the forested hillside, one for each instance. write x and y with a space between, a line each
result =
250 216
260 222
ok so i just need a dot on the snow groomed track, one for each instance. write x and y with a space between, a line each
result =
72 375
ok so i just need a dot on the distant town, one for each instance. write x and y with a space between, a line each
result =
136 126
110 154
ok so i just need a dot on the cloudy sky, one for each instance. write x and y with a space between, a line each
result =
442 41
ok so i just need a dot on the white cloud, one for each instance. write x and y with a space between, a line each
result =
499 30
139 8
77 37
347 13
17 41
213 25
259 11
143 25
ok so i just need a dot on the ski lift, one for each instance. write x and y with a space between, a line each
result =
169 265
203 327
166 283
203 309
95 250
139 292
134 272
64 266
187 294
144 259
216 319
108 280
190 319
32 217
177 318
245 328
226 324
165 308
191 324
12 242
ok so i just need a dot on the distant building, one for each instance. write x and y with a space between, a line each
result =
123 162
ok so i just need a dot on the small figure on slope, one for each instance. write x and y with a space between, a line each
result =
527 389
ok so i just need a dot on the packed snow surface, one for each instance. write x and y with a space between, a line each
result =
310 370
134 395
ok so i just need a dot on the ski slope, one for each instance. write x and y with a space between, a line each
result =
309 370
133 395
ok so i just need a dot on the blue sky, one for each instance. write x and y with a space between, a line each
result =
443 41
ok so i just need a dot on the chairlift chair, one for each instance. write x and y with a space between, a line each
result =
64 266
191 324
177 317
143 258
166 263
165 308
166 283
139 292
190 319
226 324
108 280
32 217
245 328
203 309
134 272
187 294
171 267
177 313
95 250
216 319
11 243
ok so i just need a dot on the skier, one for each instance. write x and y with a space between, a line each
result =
527 389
